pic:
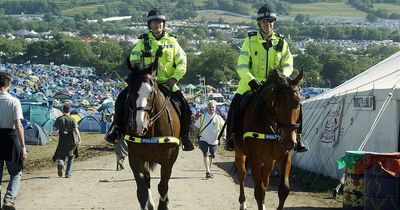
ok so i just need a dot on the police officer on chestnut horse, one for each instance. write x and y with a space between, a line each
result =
261 52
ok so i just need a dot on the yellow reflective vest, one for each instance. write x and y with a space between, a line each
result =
255 62
172 63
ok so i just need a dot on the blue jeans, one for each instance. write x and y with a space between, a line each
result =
15 171
70 162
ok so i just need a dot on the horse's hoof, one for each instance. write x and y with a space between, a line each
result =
243 206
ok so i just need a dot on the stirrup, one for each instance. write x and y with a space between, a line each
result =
187 147
300 147
229 147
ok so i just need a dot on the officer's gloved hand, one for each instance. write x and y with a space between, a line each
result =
171 82
254 85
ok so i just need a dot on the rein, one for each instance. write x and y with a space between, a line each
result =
267 111
151 108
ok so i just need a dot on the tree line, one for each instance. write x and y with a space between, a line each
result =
325 65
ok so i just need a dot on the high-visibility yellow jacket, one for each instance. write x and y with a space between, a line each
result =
253 62
172 63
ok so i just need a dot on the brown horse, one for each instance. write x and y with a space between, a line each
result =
268 136
152 130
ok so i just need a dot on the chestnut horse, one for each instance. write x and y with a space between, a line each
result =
152 133
268 135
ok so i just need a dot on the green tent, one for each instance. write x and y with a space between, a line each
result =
39 114
190 86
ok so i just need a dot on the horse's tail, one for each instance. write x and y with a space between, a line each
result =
152 166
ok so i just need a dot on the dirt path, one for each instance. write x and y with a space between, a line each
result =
95 184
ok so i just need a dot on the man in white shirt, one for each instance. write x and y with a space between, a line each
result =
12 143
207 129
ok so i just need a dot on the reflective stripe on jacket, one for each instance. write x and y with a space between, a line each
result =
253 62
172 63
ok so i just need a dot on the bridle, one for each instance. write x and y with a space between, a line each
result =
288 125
153 116
270 110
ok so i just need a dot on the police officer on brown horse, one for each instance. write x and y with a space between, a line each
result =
171 68
261 52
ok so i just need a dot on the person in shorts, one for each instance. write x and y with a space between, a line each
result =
207 129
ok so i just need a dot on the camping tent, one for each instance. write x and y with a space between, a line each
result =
361 114
76 117
57 112
89 124
35 135
39 114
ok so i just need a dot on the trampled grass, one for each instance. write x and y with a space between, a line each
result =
40 156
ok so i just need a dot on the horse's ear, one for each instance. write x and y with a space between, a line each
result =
128 63
273 76
299 77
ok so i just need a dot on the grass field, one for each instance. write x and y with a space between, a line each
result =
326 9
339 9
80 10
215 16
391 8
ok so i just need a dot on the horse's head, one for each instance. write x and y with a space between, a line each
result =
142 90
286 105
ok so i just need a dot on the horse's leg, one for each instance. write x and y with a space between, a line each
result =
137 167
241 169
265 174
166 170
259 186
150 202
285 164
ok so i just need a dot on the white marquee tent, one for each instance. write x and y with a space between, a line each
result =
361 114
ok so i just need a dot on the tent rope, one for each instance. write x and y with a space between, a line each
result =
378 117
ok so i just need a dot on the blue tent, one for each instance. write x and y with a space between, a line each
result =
97 116
89 124
35 135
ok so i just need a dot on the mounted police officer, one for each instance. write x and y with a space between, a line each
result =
171 68
261 52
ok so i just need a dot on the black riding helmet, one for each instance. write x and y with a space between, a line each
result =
154 14
266 12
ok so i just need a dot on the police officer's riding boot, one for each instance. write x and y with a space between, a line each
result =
186 115
115 132
232 116
229 144
300 146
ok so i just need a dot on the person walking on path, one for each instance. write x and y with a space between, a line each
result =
207 129
12 142
69 139
121 152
